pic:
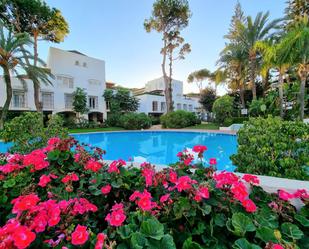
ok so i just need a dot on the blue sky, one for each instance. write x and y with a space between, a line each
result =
113 30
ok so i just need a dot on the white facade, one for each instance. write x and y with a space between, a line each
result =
71 70
152 101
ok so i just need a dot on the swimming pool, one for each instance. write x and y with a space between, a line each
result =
159 147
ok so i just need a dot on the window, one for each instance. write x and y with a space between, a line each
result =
48 100
163 106
68 100
190 108
185 107
178 106
94 82
76 63
65 81
19 99
84 64
93 102
154 106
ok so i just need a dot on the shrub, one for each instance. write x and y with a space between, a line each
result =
135 121
59 197
155 120
179 119
113 119
27 131
273 147
223 108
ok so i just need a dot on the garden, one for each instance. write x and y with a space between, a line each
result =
63 198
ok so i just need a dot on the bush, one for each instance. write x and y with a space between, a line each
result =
135 121
223 108
27 131
155 120
59 197
113 119
273 147
179 119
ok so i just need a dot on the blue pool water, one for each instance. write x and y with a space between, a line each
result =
159 147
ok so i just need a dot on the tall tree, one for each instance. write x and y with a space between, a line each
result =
251 32
295 11
41 22
294 49
207 99
80 101
237 20
12 61
199 77
169 17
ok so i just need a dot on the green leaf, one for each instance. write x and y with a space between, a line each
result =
124 231
3 199
9 183
302 220
220 220
266 234
138 241
53 155
189 244
291 230
152 228
240 224
122 246
244 244
206 209
166 242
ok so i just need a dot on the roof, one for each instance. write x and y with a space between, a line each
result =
76 52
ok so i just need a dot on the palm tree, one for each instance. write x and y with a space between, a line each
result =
251 32
271 59
233 60
294 49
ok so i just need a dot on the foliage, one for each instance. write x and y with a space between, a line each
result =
273 147
60 197
207 99
80 101
121 100
135 121
223 108
28 133
179 119
169 17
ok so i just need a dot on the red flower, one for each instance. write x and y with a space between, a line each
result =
80 235
251 179
212 161
23 237
203 192
188 161
239 191
173 176
106 189
114 166
44 180
277 246
71 177
100 241
249 205
36 158
25 202
184 183
148 174
117 216
144 200
93 165
199 149
225 178
164 198
285 195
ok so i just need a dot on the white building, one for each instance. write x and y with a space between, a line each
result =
152 99
71 69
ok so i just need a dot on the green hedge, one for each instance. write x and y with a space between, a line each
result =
135 121
273 147
179 119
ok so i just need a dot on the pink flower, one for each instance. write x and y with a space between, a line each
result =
44 180
37 159
225 178
106 189
203 192
249 205
239 191
76 157
117 216
114 166
199 149
148 174
251 179
143 200
212 161
53 141
164 198
188 161
285 195
184 183
173 176
100 241
23 237
25 202
93 165
301 193
277 246
80 235
71 177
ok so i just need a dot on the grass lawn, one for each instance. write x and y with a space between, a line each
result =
208 126
81 130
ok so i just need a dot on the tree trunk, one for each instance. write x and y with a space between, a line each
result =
242 96
252 73
170 90
302 94
36 83
9 93
166 82
265 83
281 94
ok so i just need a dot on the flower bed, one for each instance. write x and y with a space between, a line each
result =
57 197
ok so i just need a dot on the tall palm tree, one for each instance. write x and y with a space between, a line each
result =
294 49
251 32
272 59
233 59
